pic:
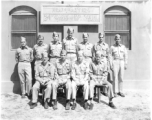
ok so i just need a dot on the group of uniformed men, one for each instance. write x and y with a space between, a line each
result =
71 64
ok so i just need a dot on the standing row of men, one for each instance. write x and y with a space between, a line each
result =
71 64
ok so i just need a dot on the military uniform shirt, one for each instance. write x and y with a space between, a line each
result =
98 70
86 48
103 47
119 52
55 49
38 50
64 68
80 70
70 45
45 72
24 54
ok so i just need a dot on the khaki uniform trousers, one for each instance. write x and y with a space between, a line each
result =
85 85
93 83
118 74
25 75
72 57
36 89
63 80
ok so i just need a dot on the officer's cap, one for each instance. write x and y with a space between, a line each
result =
85 34
117 36
70 29
40 37
44 54
55 33
63 52
23 38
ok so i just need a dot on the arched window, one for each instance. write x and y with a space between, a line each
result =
117 21
23 23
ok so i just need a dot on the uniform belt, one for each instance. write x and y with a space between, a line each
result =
25 61
71 53
118 59
55 56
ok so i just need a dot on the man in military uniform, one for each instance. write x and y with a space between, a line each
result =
38 49
80 75
118 64
104 48
24 57
55 48
70 45
98 73
45 75
63 66
86 47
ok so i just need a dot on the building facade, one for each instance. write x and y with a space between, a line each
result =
129 18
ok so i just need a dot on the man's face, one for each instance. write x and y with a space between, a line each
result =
98 58
40 42
63 56
45 59
101 38
117 39
55 37
70 34
80 57
23 43
85 38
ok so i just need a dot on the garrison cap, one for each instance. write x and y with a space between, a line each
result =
23 38
70 29
55 33
117 36
40 37
101 34
85 34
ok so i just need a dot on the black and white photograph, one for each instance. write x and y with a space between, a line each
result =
76 60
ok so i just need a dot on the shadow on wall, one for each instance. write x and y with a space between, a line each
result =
15 80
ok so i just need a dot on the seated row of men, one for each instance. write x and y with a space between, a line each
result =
83 74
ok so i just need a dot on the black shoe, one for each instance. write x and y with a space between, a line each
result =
86 106
91 106
46 105
105 94
121 94
112 105
55 105
67 105
73 106
33 105
23 96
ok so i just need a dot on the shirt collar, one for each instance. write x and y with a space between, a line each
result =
40 45
103 43
118 45
69 39
26 47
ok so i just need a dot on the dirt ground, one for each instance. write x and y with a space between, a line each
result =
135 106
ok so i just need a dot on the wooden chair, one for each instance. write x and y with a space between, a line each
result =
98 88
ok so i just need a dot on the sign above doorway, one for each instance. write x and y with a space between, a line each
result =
70 14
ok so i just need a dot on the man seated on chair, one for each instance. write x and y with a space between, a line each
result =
63 67
80 75
45 75
98 72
